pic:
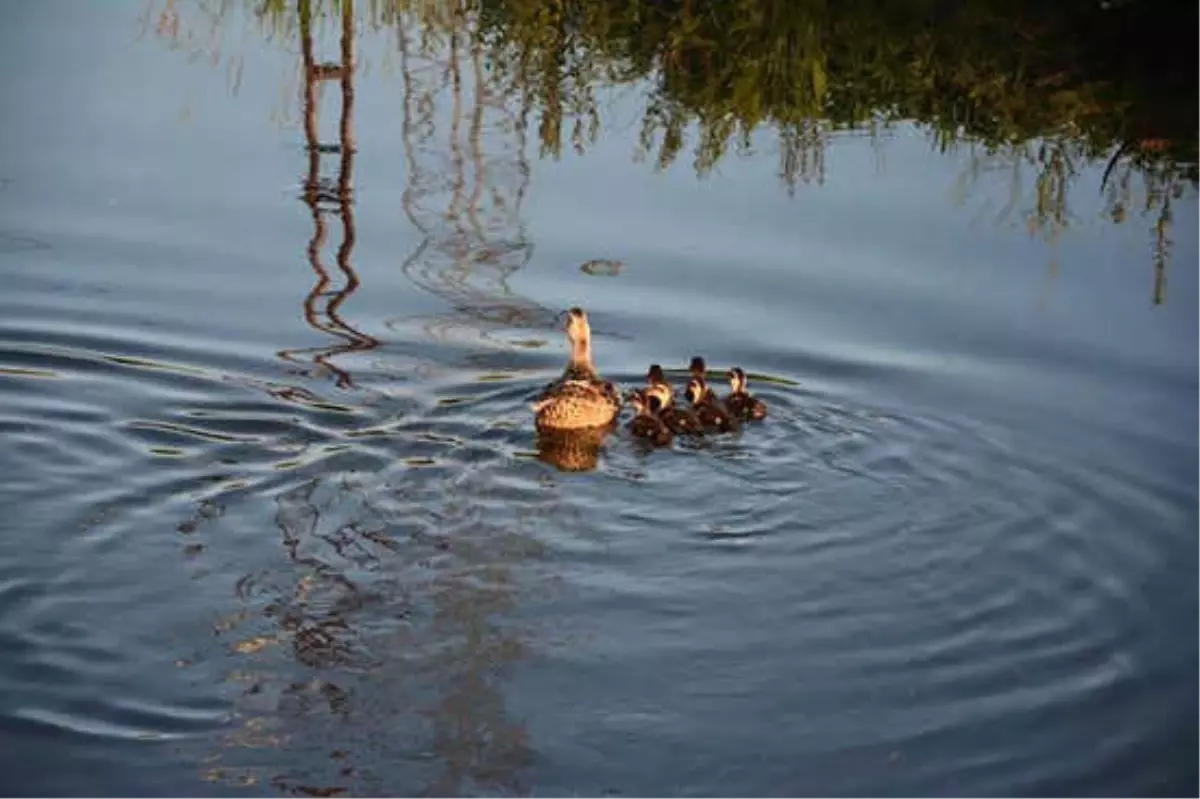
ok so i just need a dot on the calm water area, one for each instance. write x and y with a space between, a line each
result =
275 520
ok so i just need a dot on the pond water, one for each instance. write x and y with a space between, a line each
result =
275 520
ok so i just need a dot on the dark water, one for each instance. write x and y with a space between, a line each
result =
275 521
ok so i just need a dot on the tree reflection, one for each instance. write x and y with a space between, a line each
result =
1058 88
375 652
466 182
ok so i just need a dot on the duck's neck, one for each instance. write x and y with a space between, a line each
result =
581 354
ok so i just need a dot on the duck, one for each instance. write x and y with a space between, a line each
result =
680 421
645 424
580 398
740 402
708 408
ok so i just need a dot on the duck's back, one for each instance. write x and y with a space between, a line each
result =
745 406
681 421
577 403
714 417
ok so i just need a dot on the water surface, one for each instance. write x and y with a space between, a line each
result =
275 517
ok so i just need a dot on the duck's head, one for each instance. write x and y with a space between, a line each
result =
659 392
637 400
737 379
696 390
575 323
655 374
697 367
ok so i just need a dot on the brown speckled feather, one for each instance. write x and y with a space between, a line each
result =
575 404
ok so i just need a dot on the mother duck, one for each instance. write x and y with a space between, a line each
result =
579 399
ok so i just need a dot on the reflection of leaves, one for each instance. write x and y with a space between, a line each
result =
987 71
1079 80
727 68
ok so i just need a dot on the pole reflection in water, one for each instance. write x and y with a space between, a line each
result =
323 197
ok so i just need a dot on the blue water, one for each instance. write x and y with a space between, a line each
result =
256 544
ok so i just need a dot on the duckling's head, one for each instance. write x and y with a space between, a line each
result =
697 367
655 374
637 399
659 392
695 390
737 379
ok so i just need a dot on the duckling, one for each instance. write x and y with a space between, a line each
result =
708 408
656 377
645 425
699 371
580 398
680 421
740 402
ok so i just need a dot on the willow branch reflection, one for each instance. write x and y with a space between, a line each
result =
465 200
323 197
1129 180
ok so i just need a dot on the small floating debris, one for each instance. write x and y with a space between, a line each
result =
167 452
420 461
602 267
15 371
252 645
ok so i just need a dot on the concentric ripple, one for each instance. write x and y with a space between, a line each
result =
944 600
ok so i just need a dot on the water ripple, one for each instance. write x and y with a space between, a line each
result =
928 570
